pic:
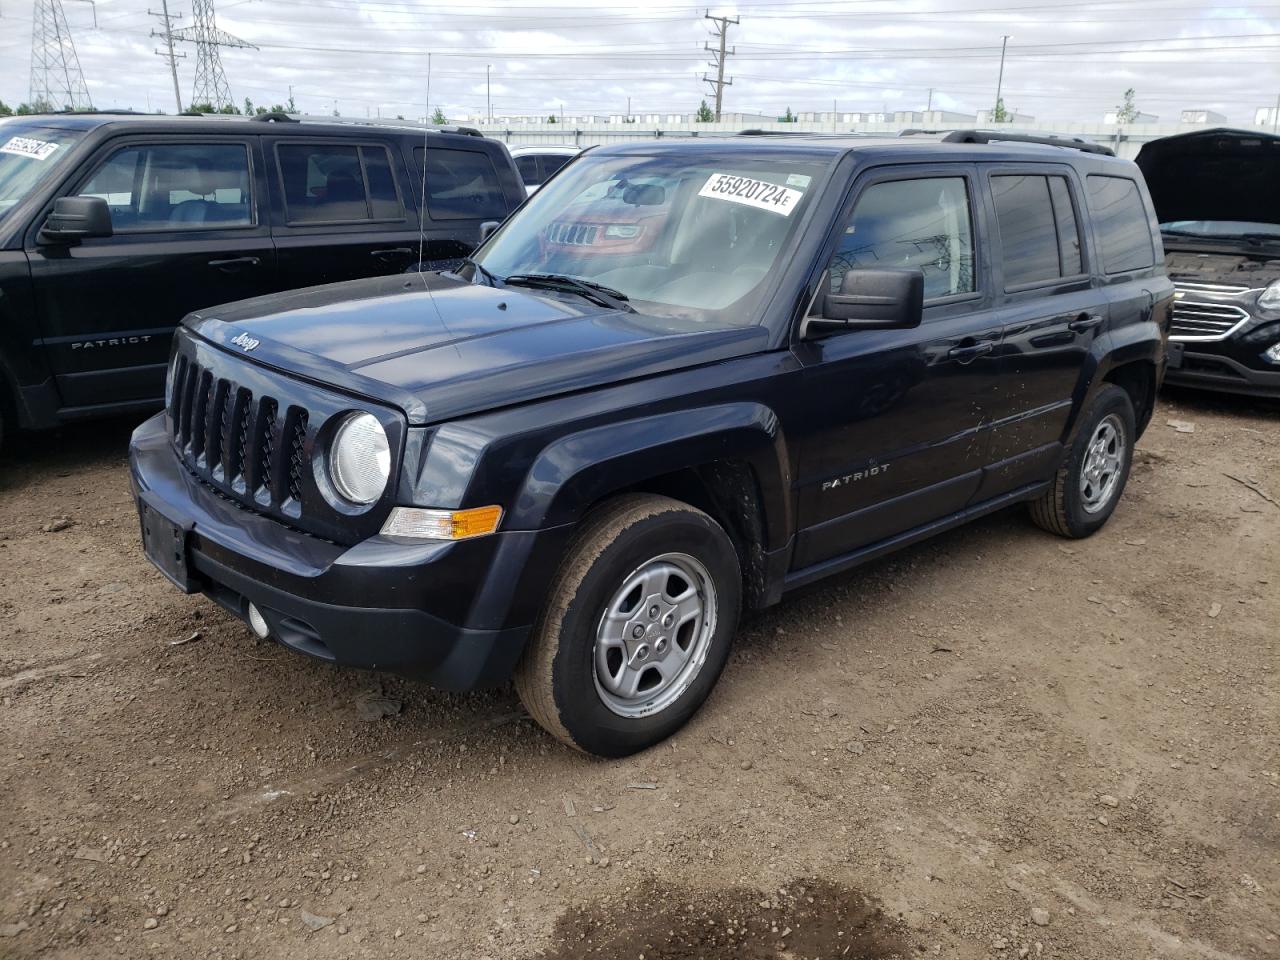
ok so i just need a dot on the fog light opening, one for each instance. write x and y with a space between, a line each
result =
258 623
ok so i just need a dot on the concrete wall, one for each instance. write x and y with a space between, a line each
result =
1126 141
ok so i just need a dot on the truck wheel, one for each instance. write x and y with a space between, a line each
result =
1088 485
636 629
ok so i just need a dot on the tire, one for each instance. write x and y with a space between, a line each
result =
1076 505
584 676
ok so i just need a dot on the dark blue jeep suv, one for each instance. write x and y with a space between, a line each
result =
683 379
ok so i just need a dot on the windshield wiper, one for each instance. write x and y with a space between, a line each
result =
595 292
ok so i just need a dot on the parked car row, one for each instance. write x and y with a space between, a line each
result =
681 380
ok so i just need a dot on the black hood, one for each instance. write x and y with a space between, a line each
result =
438 347
1214 175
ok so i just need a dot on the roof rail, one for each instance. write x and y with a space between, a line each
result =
1000 136
275 116
756 132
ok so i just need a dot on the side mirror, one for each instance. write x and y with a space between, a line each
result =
877 299
488 229
76 218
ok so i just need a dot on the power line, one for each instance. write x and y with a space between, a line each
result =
719 55
167 34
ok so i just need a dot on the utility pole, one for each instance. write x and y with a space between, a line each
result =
488 102
55 67
722 25
166 33
627 118
1004 44
929 107
1275 119
211 82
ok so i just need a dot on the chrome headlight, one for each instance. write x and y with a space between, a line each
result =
360 458
1270 297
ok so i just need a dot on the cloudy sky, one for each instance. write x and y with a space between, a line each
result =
1068 61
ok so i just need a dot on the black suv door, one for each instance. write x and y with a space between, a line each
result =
339 209
896 416
1051 311
190 232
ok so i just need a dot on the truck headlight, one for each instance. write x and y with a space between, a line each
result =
360 458
1270 297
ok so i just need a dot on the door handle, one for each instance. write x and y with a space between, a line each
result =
230 266
391 252
971 351
1085 322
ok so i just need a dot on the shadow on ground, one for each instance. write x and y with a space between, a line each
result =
808 918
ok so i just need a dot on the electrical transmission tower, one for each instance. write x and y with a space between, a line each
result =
211 83
719 53
56 80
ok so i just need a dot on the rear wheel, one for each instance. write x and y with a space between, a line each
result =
636 629
1088 485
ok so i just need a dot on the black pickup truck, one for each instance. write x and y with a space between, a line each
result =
684 379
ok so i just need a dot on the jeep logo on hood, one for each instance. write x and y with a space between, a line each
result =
245 342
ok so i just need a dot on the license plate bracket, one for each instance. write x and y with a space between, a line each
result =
165 543
1175 355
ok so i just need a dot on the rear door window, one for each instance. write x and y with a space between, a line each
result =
1028 231
462 184
528 167
175 186
338 183
553 162
1120 218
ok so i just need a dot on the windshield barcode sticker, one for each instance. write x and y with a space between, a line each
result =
754 193
26 147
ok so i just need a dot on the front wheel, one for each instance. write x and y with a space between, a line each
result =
637 627
1088 485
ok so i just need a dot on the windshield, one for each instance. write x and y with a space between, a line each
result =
28 154
1226 229
685 237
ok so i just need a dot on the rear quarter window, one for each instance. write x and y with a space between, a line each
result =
461 184
1121 224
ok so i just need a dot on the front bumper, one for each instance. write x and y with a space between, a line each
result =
455 614
1228 366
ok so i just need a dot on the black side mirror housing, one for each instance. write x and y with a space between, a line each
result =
886 298
76 218
488 229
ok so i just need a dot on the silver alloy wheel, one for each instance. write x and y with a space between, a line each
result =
1102 464
654 635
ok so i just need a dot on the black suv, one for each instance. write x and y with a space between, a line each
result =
113 227
1217 196
682 379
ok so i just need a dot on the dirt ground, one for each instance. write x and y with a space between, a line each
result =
996 744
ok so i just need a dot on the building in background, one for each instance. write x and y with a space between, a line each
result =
1201 116
1111 117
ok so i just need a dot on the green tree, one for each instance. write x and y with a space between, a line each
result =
1000 114
787 117
248 107
5 109
35 106
704 114
1127 112
293 107
551 118
438 118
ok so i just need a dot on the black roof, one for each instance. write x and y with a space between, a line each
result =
906 149
221 123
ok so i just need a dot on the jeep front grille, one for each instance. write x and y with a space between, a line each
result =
239 443
572 234
1202 320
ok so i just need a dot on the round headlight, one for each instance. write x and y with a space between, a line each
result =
360 458
1270 298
